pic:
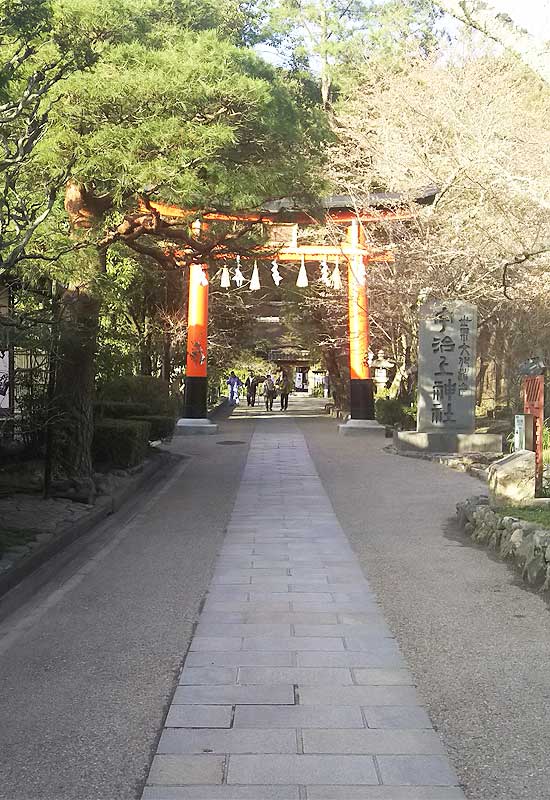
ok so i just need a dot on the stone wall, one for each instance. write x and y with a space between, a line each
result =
524 543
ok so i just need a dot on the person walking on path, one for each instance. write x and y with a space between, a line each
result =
270 393
234 384
285 387
251 384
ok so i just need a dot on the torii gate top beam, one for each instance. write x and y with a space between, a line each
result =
339 214
336 209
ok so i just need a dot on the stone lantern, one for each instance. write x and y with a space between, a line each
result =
381 366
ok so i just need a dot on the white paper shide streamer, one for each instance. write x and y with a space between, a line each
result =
255 279
302 280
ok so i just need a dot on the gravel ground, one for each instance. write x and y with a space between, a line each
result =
477 640
88 667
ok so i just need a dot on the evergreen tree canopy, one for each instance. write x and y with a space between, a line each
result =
180 111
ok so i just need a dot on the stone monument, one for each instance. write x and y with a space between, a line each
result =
447 383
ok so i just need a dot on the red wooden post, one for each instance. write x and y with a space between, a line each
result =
533 403
195 398
361 387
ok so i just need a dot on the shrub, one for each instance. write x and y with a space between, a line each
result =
161 427
120 442
143 389
390 411
119 410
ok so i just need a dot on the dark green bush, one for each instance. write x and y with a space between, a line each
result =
113 409
390 411
120 442
161 427
143 389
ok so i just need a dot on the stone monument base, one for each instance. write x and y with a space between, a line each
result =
354 427
193 427
439 442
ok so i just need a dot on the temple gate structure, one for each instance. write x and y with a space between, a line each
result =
353 254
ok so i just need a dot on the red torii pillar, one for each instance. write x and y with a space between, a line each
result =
195 403
361 385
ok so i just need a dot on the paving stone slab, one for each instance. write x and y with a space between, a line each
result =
222 643
404 770
247 606
383 793
376 629
305 676
308 769
357 696
258 572
224 792
169 770
373 742
293 643
293 617
331 606
320 586
209 629
359 617
208 675
401 717
372 644
221 593
353 658
217 617
228 741
383 677
222 695
196 716
297 717
242 658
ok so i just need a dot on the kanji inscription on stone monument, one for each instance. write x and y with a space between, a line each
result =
446 367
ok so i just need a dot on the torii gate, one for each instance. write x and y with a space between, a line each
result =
355 251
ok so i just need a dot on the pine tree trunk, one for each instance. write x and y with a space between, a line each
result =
73 433
72 473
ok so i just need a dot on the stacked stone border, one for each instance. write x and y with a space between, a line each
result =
523 543
476 464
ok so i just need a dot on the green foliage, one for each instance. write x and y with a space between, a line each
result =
143 389
120 410
539 515
187 112
390 411
23 18
161 427
120 442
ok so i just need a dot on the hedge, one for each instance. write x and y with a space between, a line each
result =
120 442
120 410
390 411
142 389
161 427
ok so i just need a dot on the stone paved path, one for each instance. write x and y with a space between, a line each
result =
293 687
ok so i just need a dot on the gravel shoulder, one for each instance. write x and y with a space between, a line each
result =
476 639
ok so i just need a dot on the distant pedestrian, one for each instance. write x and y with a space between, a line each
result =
270 392
285 387
234 384
251 386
